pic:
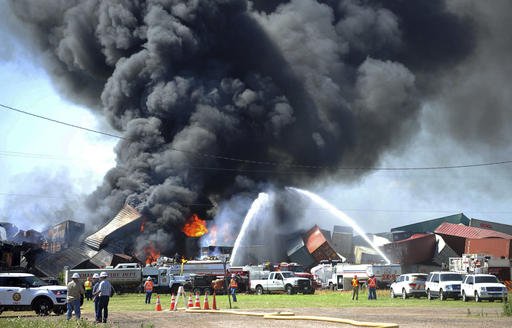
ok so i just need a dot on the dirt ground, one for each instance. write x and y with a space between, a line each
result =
467 317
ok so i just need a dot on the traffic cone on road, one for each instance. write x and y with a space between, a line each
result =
197 304
190 304
158 305
206 306
173 303
214 305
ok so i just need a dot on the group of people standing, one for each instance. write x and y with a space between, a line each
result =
372 287
98 290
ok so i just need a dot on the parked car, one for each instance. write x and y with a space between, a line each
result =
410 284
26 292
443 284
483 286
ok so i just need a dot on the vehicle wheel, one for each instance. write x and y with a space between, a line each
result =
429 295
208 290
464 297
491 300
391 293
477 297
196 291
259 290
1 309
404 294
289 289
42 307
441 295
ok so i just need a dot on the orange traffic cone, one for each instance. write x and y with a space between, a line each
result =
190 304
158 305
197 304
206 306
214 305
173 303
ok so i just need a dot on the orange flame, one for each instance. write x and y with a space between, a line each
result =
194 226
152 254
142 226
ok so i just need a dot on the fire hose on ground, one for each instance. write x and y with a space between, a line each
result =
292 316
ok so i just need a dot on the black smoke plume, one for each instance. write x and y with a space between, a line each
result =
216 98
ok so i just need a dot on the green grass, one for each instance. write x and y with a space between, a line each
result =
321 299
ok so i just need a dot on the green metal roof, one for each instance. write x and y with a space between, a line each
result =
431 225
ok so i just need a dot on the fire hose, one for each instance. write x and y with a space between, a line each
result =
292 316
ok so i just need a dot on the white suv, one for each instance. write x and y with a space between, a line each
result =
443 284
26 292
410 284
483 286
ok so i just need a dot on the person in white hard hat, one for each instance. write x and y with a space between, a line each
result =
148 288
104 292
75 290
96 299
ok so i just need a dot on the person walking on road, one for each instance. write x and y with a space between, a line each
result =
148 288
355 288
104 292
88 289
96 299
372 287
74 292
233 285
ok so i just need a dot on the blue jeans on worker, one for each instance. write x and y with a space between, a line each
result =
372 293
148 296
103 308
97 308
73 306
233 293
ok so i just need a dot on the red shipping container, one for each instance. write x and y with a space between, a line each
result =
492 246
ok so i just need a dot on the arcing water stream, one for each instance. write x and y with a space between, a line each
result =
256 206
340 215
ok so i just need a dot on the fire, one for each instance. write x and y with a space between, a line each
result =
152 254
142 226
194 226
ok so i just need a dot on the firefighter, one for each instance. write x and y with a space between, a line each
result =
233 285
372 287
88 289
355 288
74 292
148 288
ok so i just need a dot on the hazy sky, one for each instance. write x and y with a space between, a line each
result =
465 121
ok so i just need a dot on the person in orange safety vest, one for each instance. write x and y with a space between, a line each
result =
355 288
233 285
372 287
148 288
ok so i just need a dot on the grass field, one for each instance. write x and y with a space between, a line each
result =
135 302
321 299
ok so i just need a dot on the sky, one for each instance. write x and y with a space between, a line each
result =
48 168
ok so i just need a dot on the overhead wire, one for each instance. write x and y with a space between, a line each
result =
255 162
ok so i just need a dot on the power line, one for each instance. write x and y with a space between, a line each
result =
247 161
61 122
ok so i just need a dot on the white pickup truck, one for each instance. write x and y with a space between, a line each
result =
282 281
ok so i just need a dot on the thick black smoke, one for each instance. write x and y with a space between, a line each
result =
196 85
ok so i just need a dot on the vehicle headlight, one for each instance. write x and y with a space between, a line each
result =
295 283
59 292
449 287
482 289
